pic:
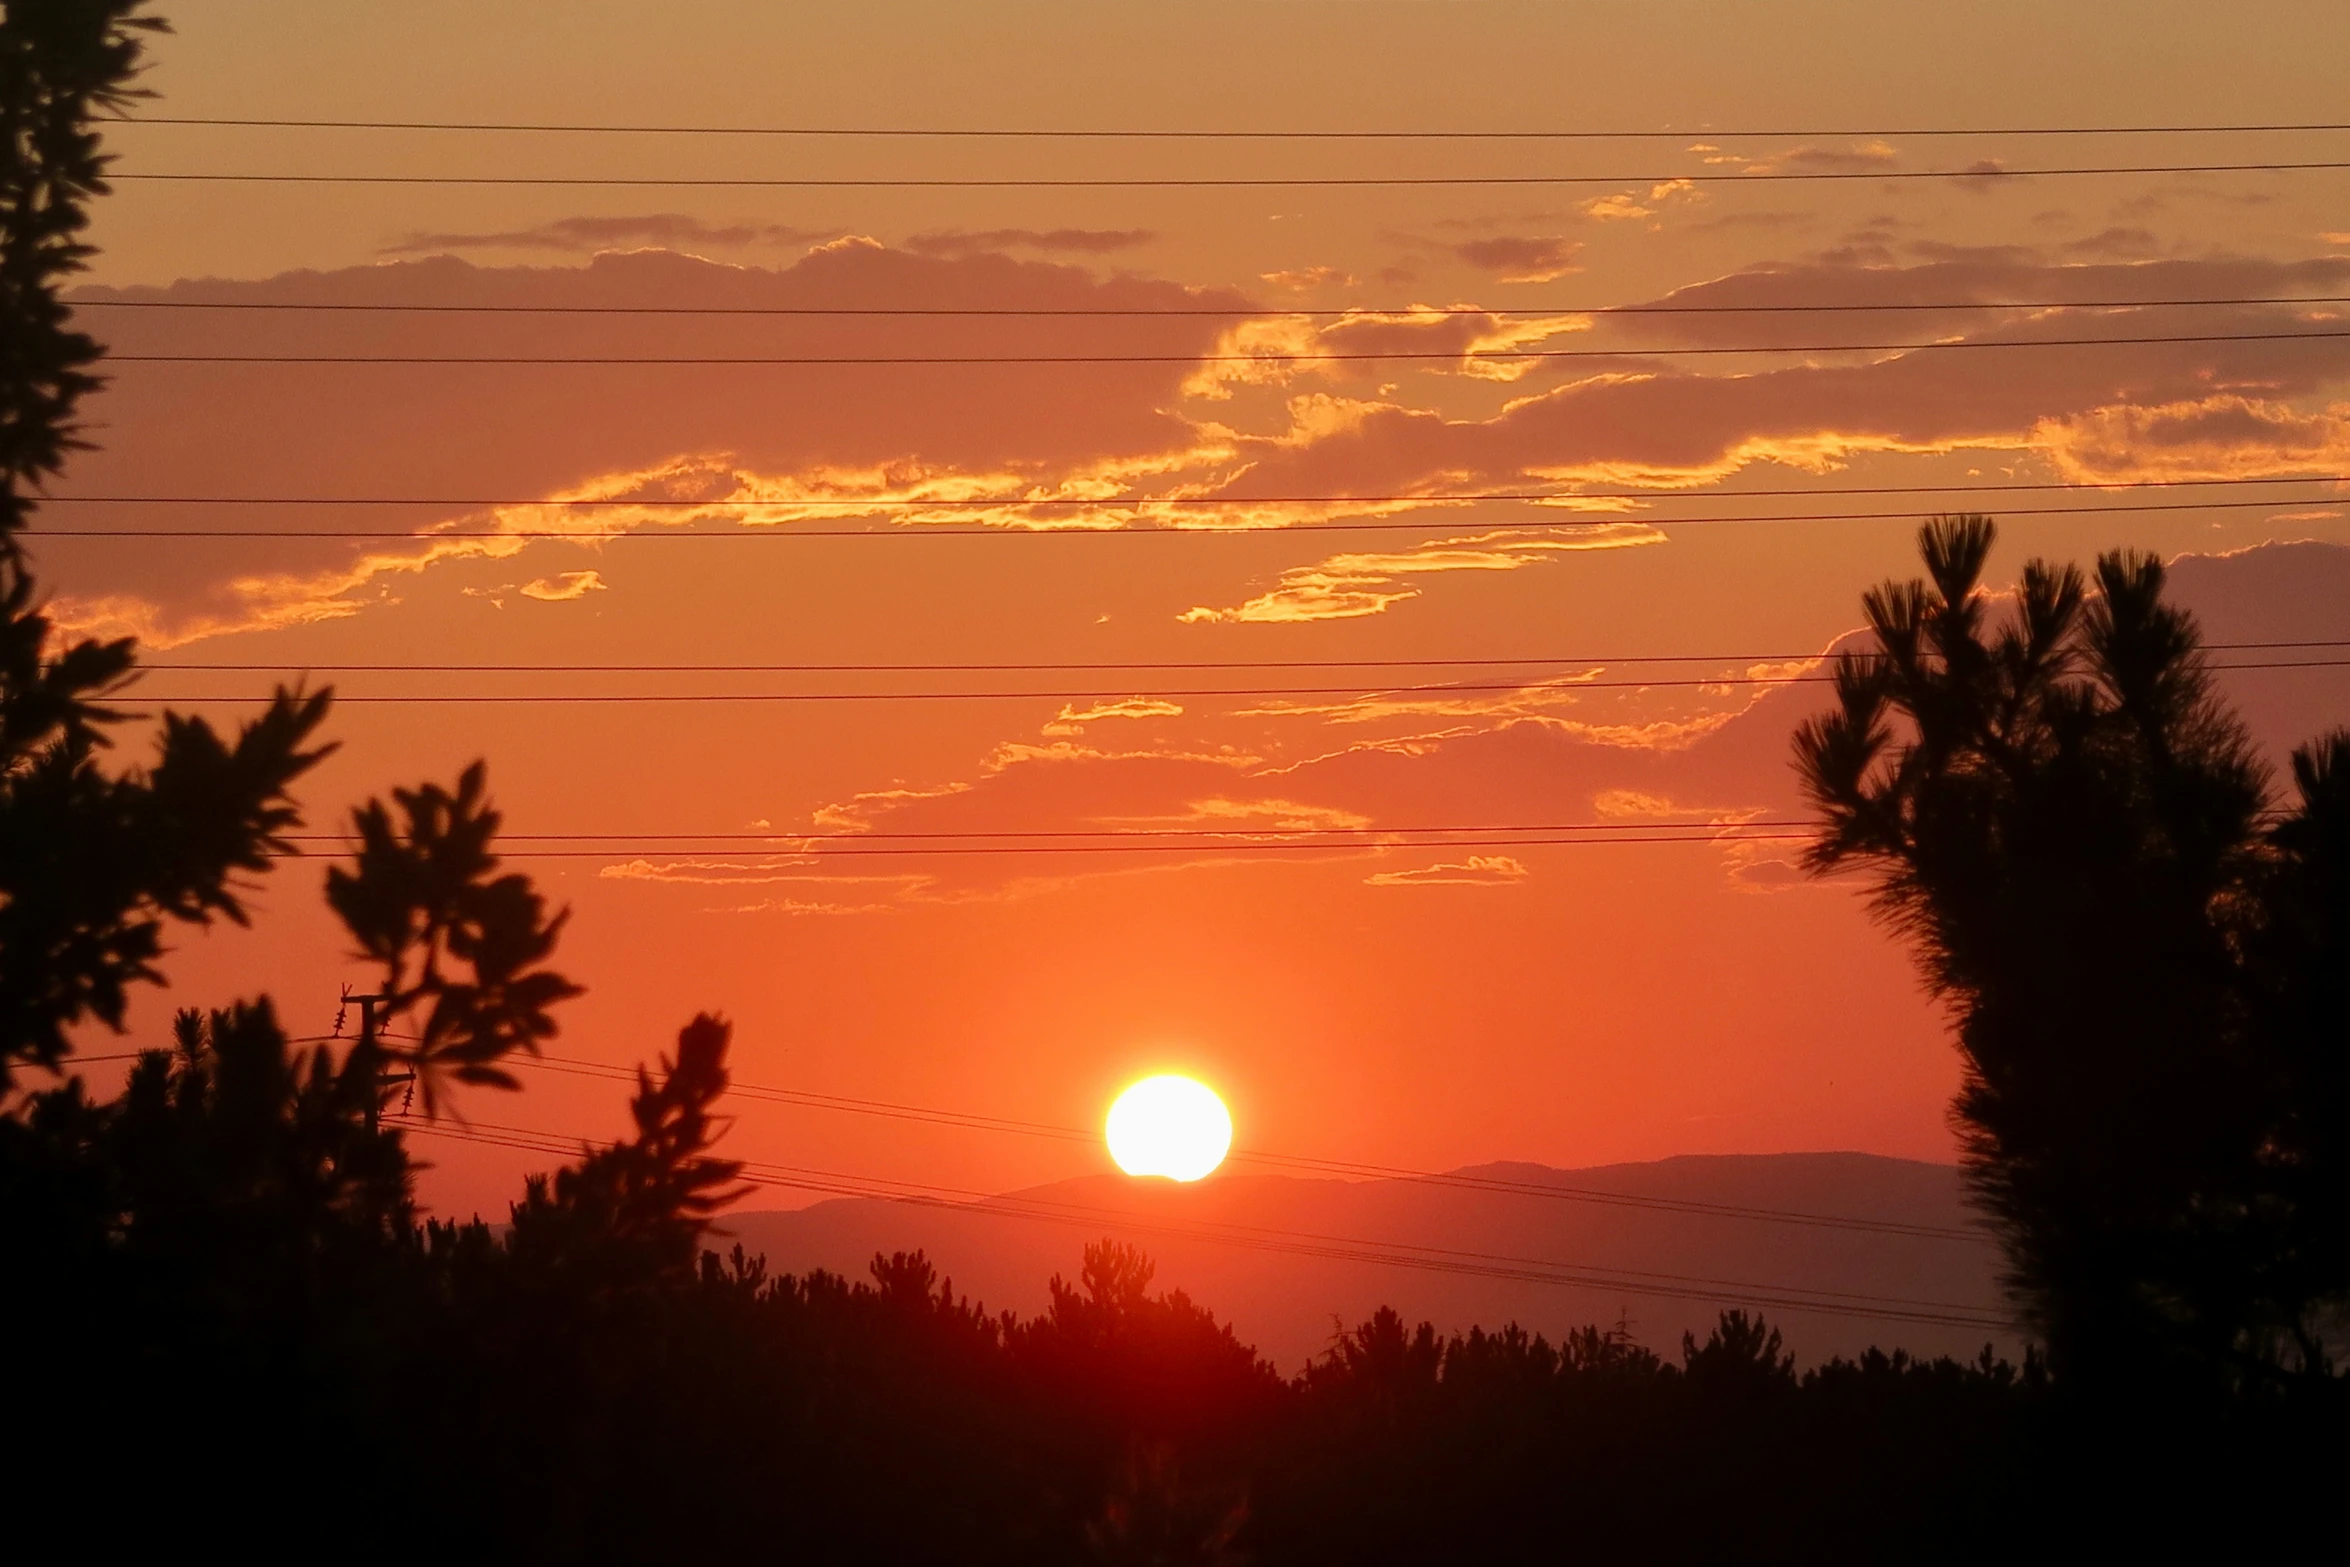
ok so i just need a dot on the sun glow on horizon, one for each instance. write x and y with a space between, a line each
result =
1169 1125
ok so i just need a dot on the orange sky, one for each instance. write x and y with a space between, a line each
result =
1405 1006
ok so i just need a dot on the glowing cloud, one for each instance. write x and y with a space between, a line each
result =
1626 204
1478 870
1302 278
1347 586
564 586
2210 438
1072 719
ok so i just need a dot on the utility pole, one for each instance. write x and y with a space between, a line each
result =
370 1048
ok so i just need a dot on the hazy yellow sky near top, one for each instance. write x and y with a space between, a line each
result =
1694 65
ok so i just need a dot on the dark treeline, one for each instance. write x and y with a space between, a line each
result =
228 1325
577 1387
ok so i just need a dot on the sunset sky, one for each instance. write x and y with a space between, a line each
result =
1382 994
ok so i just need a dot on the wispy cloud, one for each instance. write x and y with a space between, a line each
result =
1072 719
884 893
1352 585
713 873
1478 870
1859 157
1481 338
1303 278
805 906
1621 206
1531 699
564 586
1241 815
857 812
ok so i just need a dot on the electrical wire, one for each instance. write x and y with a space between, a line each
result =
1095 666
781 843
1303 1243
1454 1180
1163 530
1203 182
82 1058
937 361
1050 134
1095 312
785 854
782 840
778 849
767 860
1357 692
767 1093
804 1099
1649 493
738 1089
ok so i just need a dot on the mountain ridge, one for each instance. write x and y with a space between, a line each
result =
1289 1258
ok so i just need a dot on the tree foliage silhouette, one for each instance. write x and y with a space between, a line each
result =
2299 959
423 895
218 1259
62 64
93 864
2067 824
641 1205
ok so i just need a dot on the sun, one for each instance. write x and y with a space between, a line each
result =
1170 1126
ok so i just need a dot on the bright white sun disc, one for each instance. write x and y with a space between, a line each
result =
1170 1126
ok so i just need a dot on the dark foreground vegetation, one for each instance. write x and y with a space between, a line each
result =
227 1326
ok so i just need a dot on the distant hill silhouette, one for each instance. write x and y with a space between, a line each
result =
1002 1251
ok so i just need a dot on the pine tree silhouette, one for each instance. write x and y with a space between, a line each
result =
2066 823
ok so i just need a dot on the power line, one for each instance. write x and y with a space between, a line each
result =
783 843
1065 694
1092 666
1088 693
784 838
1197 182
1117 692
1314 1246
1047 134
994 531
896 851
768 1093
1210 1229
806 1099
1300 1243
1185 312
82 1058
1550 1190
740 861
1650 492
936 361
1570 1275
